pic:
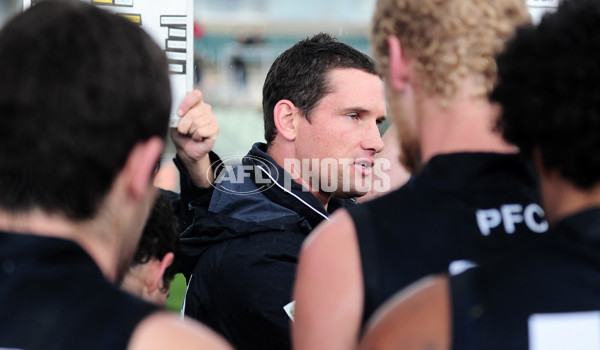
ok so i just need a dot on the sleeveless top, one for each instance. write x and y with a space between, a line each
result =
549 293
460 209
54 296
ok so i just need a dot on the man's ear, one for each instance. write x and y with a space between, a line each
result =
398 70
283 115
157 271
141 164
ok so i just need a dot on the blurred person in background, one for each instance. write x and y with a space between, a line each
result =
155 260
471 195
84 107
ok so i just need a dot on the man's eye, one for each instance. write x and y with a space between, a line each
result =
353 116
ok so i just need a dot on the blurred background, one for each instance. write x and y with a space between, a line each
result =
235 42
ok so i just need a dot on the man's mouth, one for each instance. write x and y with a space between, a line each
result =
365 165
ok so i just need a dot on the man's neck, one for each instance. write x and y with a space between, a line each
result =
285 151
464 124
39 223
84 233
561 198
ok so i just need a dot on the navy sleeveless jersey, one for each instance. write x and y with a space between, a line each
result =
461 208
498 305
53 296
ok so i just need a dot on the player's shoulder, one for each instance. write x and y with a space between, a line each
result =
331 233
415 318
163 330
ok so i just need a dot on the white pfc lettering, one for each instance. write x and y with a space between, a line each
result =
488 219
530 221
510 215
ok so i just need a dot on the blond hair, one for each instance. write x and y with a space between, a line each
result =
448 39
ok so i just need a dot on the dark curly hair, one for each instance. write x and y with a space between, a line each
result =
160 236
549 89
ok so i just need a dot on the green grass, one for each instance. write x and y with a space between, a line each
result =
176 293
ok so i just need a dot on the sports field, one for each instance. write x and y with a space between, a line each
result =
176 293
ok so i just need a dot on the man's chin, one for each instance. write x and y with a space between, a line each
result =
353 193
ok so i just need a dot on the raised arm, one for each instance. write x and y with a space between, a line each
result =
195 137
329 288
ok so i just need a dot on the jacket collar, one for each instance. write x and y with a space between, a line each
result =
280 188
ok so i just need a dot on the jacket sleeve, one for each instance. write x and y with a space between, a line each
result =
242 286
190 194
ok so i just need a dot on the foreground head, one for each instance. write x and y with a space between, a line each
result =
445 42
80 88
154 263
326 98
550 92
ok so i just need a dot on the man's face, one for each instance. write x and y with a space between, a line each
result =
342 137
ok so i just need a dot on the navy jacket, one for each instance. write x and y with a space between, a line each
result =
242 248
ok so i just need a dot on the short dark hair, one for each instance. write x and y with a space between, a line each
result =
79 87
160 236
299 74
549 89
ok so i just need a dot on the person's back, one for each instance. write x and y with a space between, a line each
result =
57 298
543 296
470 197
462 209
516 296
84 108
